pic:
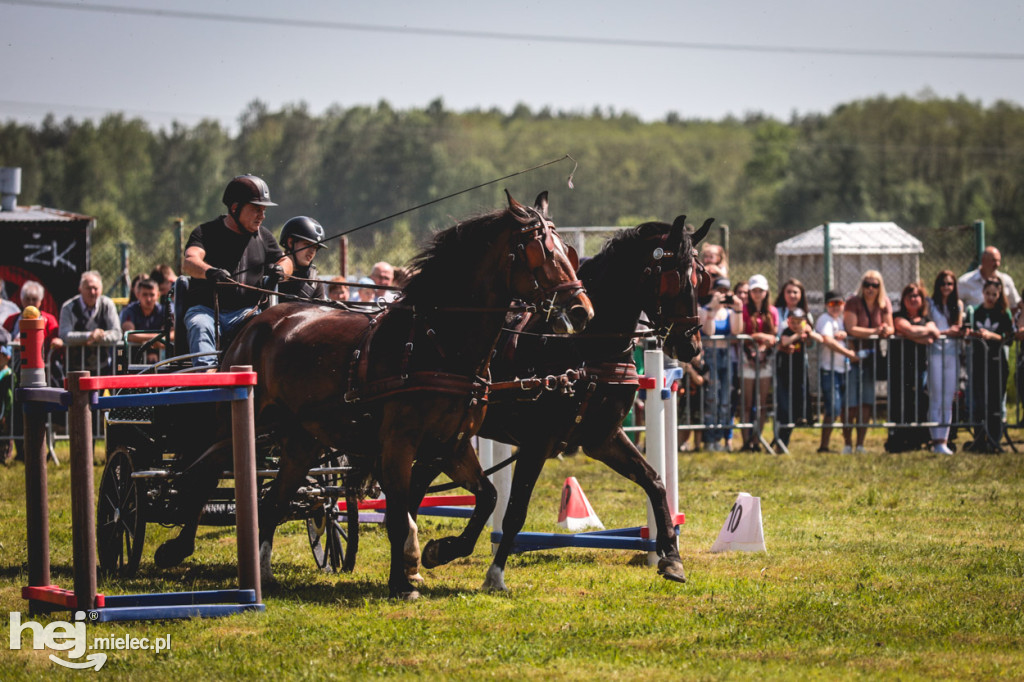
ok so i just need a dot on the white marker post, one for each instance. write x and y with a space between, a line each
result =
743 530
654 416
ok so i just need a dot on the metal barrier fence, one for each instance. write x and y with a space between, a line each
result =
99 359
920 394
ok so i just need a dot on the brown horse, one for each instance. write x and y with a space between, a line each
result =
410 382
650 270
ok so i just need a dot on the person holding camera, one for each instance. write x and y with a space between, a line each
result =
715 330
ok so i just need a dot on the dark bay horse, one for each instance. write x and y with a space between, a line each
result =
649 269
409 382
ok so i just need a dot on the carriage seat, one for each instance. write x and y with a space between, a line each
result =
180 298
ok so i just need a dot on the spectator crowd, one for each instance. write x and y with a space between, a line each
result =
939 358
940 355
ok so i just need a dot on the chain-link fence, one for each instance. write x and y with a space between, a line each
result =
120 263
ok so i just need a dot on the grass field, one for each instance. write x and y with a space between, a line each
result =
878 566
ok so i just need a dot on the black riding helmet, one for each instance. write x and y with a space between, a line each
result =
301 227
246 189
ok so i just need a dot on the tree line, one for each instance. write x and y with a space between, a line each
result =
925 163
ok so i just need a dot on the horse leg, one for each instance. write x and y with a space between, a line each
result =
529 464
200 483
299 451
422 476
464 469
395 475
619 453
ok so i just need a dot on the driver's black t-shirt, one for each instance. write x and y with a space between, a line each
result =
245 256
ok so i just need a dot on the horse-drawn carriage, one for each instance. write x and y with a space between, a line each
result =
148 454
347 399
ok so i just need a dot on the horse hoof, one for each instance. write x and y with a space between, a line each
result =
411 595
671 570
266 571
495 580
172 553
416 578
430 557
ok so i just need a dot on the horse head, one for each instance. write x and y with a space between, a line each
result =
543 268
680 282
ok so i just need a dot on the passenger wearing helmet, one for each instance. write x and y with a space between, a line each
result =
301 238
233 247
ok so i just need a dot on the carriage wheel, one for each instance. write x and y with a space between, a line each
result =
327 540
332 545
120 528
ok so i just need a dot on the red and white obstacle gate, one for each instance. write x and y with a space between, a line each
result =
661 448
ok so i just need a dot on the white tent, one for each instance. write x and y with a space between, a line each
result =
856 247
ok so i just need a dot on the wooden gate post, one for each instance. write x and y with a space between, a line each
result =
243 443
83 509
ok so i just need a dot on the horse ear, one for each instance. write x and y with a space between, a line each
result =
701 232
515 206
541 202
675 235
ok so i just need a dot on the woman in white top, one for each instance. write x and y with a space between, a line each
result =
943 358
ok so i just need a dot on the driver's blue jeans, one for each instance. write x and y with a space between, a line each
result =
201 336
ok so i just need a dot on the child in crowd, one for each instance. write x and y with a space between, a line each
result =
832 368
791 386
690 402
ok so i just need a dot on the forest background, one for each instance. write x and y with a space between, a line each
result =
926 163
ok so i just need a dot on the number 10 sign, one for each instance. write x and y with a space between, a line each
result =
742 530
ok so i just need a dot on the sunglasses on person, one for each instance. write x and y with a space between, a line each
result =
868 284
834 304
948 284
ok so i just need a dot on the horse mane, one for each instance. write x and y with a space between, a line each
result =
594 269
441 266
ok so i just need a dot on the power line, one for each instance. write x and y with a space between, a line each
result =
529 38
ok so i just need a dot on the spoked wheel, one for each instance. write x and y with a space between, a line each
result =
333 545
327 540
120 528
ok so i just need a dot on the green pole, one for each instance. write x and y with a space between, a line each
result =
979 242
826 254
126 279
179 236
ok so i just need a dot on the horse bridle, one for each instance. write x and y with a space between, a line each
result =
670 284
536 244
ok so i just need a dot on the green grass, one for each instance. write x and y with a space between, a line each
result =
878 566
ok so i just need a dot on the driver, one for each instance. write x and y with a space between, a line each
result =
236 247
301 238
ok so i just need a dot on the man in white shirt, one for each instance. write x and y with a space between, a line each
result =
970 285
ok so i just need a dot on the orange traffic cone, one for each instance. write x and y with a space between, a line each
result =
575 512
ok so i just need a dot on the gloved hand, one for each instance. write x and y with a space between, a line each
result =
275 272
216 275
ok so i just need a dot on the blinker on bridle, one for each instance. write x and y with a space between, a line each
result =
670 284
537 243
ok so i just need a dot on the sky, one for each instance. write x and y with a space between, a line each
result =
186 60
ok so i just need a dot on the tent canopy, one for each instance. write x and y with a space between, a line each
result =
852 238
